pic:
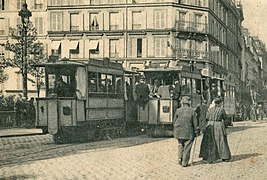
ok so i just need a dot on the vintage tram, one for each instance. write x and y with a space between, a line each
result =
157 115
86 100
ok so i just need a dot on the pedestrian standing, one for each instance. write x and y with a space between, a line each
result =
185 130
214 144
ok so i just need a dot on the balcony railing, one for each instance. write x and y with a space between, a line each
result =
193 54
190 26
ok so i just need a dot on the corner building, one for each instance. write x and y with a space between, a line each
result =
205 34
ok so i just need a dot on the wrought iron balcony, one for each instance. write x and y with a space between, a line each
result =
193 54
189 26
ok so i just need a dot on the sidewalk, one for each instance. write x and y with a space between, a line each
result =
13 132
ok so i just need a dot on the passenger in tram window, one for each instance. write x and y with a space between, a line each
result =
62 88
175 89
110 87
92 85
154 89
142 92
119 86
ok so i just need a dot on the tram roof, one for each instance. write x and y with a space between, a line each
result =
90 62
168 69
62 63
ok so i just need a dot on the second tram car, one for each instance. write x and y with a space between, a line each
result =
157 116
85 100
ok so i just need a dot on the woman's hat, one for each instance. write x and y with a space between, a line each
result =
185 100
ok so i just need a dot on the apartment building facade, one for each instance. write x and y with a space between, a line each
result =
205 34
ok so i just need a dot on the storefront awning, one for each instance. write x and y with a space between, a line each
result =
93 44
73 44
55 44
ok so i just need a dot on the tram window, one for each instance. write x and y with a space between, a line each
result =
183 86
194 88
198 86
189 85
92 82
51 84
110 83
119 85
102 82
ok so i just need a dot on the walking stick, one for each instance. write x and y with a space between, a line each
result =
194 148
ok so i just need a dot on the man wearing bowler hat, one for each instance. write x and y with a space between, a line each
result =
185 130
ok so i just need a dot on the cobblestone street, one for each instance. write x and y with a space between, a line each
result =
141 157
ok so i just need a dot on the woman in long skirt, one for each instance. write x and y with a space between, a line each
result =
214 144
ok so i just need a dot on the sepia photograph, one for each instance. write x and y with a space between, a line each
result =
133 89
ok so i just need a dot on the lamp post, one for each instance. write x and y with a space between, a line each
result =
25 14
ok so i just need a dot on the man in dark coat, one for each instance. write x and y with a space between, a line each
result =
185 130
62 88
142 92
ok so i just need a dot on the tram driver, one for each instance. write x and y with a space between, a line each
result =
63 89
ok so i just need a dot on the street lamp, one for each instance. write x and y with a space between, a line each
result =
25 14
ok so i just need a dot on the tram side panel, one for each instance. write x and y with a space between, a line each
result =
55 113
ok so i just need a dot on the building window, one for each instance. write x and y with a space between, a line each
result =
38 4
137 19
94 21
160 19
139 48
2 4
39 25
160 46
93 47
20 3
114 21
56 48
74 22
198 22
2 26
113 48
74 49
181 24
56 22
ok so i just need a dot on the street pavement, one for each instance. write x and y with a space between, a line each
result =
139 157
